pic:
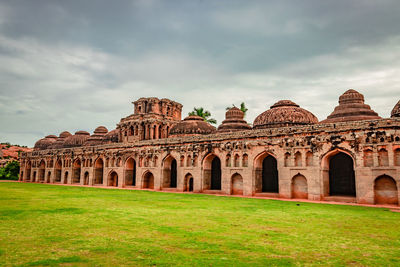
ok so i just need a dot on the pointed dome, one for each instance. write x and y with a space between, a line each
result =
396 111
97 137
233 121
284 113
191 125
351 108
77 139
45 143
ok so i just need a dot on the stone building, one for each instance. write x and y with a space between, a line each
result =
352 156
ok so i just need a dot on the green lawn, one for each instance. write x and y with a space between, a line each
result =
49 225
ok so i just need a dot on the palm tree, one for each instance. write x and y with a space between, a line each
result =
205 114
242 108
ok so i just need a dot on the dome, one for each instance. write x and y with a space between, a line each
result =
351 108
233 121
77 139
191 125
284 113
111 137
45 143
59 143
97 137
396 111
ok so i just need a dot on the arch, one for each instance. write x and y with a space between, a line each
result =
112 179
76 171
58 167
297 159
236 184
188 183
385 190
86 178
396 155
169 172
245 160
236 160
42 168
368 158
383 157
287 159
148 180
28 169
130 172
228 161
270 181
341 175
182 161
212 172
34 177
309 159
299 187
48 177
188 161
98 171
66 177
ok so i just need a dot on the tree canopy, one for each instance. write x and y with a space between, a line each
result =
205 114
10 171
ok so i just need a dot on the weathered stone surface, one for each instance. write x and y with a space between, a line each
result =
191 125
233 121
396 110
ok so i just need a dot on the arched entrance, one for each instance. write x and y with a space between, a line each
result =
270 181
169 172
28 171
130 172
48 177
76 172
385 190
216 174
341 175
65 177
57 173
86 179
34 177
42 168
237 184
148 180
98 171
299 187
188 183
113 179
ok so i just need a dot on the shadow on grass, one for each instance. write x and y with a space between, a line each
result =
55 262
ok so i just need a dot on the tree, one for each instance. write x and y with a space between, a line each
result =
205 114
10 171
242 108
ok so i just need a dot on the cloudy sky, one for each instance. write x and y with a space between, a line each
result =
74 65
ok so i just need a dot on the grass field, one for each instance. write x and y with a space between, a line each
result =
49 225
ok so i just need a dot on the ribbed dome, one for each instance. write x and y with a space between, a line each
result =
45 143
97 137
65 134
77 139
233 121
396 111
351 108
191 125
284 113
111 137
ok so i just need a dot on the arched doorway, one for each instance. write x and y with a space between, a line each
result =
216 174
57 173
341 175
42 168
299 187
76 172
98 171
385 190
148 180
48 177
130 172
28 171
65 177
113 179
169 172
188 183
86 178
34 177
270 180
237 184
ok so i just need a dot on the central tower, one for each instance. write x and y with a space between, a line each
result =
152 118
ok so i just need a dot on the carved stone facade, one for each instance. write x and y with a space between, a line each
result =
290 154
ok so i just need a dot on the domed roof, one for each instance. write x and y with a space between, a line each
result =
97 137
65 134
284 113
45 143
111 137
59 143
191 125
351 108
233 121
77 139
396 110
